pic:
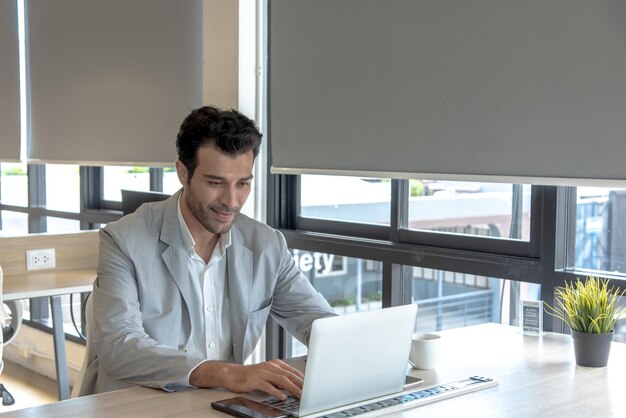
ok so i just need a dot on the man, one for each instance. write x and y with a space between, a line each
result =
185 286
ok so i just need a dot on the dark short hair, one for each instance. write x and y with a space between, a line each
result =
232 132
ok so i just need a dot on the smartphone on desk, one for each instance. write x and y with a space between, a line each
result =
247 408
412 382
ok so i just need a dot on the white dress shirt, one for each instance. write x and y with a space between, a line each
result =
211 335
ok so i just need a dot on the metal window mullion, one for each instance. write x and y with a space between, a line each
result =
396 286
91 187
156 179
548 250
471 262
515 232
39 310
397 289
36 196
91 192
282 208
36 224
536 207
283 201
565 255
399 208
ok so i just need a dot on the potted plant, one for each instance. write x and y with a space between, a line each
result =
590 308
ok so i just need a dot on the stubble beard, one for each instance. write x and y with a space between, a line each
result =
203 215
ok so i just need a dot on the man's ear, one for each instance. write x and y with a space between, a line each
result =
182 172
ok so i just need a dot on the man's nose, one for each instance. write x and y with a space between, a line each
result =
229 197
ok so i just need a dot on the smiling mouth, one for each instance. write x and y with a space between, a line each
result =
224 216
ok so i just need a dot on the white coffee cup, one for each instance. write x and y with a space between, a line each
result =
425 351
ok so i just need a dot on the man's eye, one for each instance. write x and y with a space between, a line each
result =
215 183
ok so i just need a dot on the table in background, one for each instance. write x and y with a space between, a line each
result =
52 284
537 377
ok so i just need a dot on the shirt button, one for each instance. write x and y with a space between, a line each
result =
209 309
212 345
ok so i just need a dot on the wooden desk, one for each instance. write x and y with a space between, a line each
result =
537 377
52 284
48 283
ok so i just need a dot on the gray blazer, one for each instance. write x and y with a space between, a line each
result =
141 298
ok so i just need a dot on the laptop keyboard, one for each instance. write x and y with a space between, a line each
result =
289 405
405 400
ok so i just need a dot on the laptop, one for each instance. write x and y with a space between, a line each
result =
352 358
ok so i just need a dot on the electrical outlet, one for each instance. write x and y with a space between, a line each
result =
40 259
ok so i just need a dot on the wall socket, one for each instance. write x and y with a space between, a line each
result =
40 259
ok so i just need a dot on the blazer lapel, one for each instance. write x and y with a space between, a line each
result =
174 256
239 273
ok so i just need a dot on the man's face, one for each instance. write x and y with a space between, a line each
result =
219 187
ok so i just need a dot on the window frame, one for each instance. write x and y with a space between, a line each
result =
397 230
543 260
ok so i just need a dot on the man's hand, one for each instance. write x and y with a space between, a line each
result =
269 377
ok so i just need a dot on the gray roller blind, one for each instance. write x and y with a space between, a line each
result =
111 80
9 83
511 90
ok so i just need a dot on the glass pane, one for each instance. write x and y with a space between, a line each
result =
451 300
60 225
14 223
14 184
62 188
118 178
170 181
601 229
71 306
346 198
348 284
489 209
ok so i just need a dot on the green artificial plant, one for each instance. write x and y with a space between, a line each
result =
588 306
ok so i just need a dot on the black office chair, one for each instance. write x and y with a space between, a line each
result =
132 199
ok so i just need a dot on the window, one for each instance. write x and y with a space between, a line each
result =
13 192
345 282
13 184
59 225
449 299
131 178
465 252
487 217
13 223
600 242
348 284
485 209
62 188
445 299
170 181
345 199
